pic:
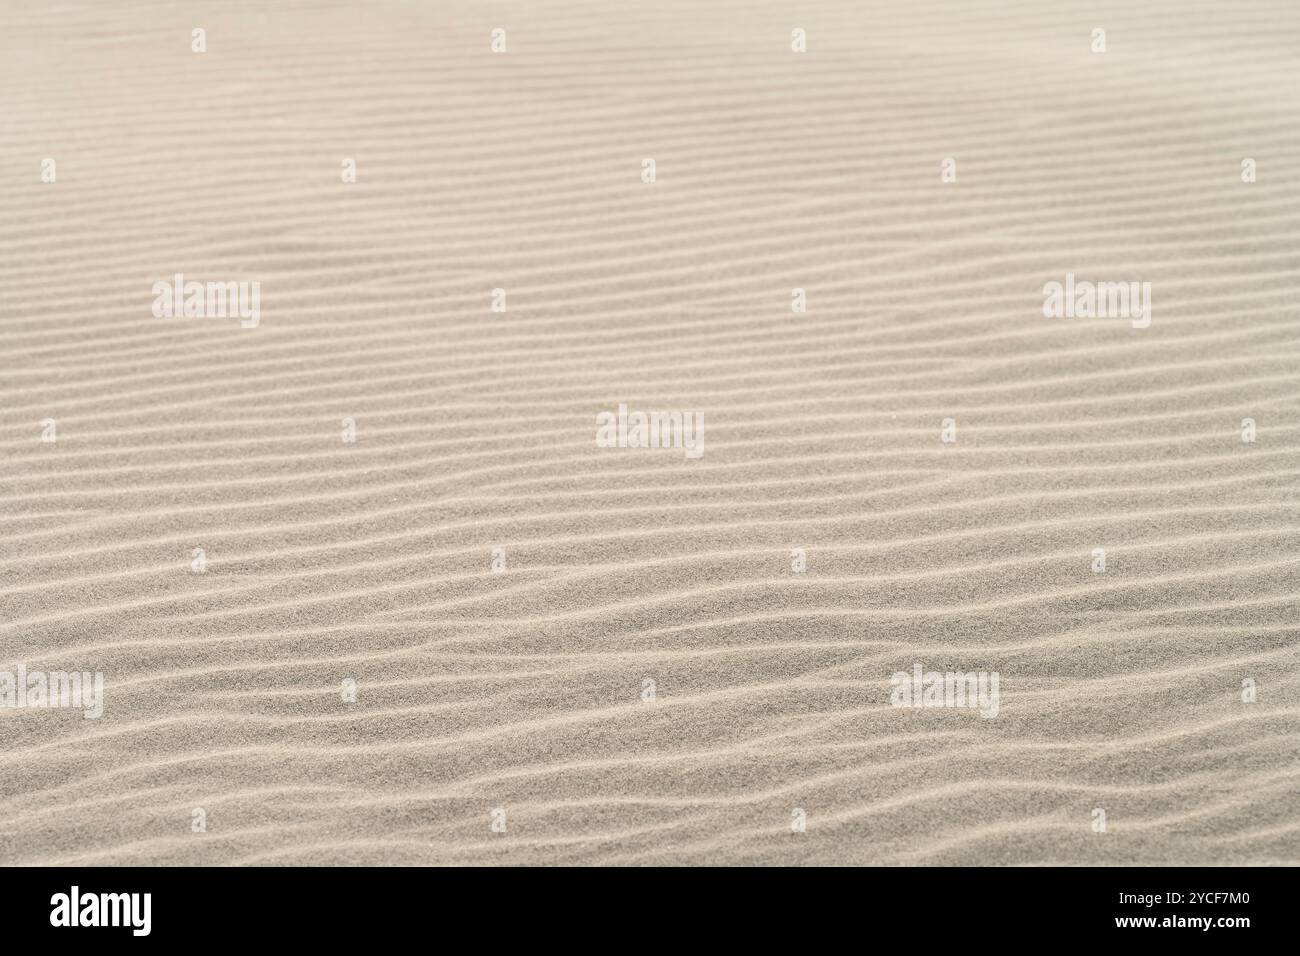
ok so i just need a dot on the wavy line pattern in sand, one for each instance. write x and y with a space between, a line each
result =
521 689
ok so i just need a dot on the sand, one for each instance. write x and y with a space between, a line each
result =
504 716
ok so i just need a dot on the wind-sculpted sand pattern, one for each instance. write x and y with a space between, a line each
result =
364 581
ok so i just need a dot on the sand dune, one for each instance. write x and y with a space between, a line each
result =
501 589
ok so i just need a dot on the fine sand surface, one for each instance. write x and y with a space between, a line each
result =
522 689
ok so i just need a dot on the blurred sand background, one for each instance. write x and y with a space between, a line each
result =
521 690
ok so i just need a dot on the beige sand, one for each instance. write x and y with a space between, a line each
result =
522 689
